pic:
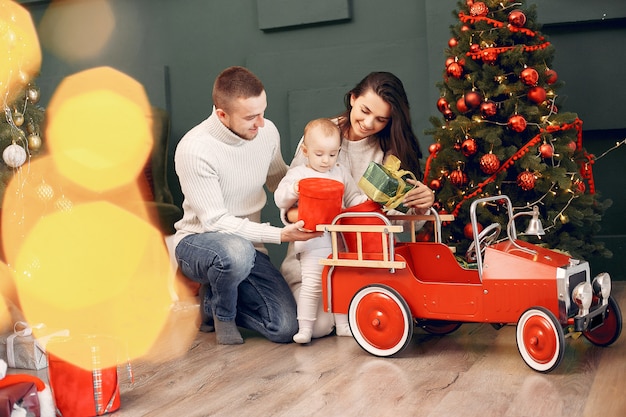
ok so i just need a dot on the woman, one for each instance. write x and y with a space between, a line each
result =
376 123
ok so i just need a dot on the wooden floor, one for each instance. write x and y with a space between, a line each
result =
475 371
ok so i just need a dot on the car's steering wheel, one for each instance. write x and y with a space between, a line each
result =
485 238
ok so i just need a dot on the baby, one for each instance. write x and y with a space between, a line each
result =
321 146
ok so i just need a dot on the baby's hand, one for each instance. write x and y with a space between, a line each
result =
292 215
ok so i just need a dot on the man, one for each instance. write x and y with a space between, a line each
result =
223 164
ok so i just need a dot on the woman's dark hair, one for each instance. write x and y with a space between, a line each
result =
397 137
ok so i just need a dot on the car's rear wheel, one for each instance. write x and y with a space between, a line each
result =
540 339
611 328
380 320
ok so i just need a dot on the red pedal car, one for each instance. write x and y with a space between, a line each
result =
389 291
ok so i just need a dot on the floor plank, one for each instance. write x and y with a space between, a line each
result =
475 371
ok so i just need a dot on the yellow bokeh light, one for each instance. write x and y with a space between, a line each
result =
98 128
21 58
97 270
7 294
41 190
76 30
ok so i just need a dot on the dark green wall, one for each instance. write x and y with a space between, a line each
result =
308 57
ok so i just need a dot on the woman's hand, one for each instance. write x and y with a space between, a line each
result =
420 198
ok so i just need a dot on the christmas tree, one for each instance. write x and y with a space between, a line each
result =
20 133
502 132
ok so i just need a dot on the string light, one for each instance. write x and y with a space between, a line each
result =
617 145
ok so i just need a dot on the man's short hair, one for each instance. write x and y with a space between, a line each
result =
234 83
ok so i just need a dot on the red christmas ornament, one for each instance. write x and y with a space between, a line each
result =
458 177
435 184
448 114
546 150
453 42
526 180
537 94
469 233
517 123
434 148
442 104
455 70
474 48
465 28
571 147
449 61
489 163
551 76
469 147
529 76
461 105
479 9
488 109
517 18
473 99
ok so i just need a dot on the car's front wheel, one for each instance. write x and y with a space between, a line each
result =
540 339
380 320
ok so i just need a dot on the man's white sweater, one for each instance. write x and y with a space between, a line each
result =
222 177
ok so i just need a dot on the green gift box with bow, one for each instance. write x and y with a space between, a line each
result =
386 184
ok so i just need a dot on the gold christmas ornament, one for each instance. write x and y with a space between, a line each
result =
30 127
34 142
18 119
32 94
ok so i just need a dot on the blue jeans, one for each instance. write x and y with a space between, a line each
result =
241 283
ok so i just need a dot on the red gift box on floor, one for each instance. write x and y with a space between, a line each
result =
22 394
81 392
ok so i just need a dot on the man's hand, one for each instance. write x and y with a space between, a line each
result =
420 198
292 233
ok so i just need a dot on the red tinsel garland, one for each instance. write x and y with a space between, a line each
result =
585 166
496 23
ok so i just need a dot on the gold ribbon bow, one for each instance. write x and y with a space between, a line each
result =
392 163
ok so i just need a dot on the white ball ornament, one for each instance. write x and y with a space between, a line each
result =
14 155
